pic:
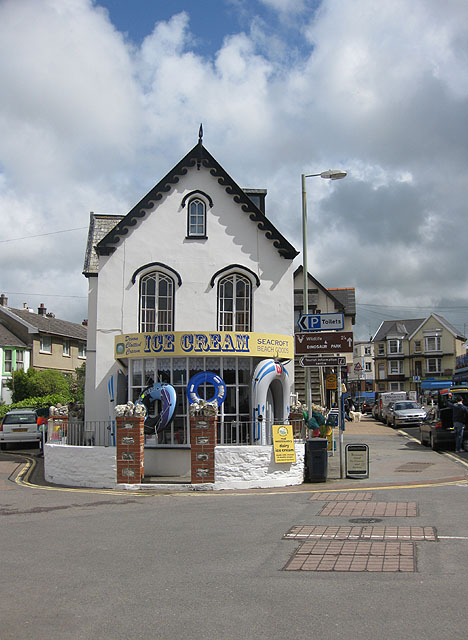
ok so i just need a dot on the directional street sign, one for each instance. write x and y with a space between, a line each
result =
320 321
314 343
323 361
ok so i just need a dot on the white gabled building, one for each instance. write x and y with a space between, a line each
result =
194 278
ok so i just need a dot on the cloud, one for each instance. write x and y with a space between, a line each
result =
91 121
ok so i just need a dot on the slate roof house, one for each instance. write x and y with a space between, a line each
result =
51 342
194 278
416 354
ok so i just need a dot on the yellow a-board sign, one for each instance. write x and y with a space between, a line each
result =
283 443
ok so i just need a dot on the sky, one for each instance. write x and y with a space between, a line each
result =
101 98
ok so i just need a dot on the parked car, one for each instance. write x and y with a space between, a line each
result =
19 425
405 412
440 433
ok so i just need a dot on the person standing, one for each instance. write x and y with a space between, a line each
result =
460 415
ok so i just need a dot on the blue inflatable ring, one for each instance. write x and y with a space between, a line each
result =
210 377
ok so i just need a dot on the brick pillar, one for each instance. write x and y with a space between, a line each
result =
130 450
203 441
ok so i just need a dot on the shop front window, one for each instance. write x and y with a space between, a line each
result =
234 413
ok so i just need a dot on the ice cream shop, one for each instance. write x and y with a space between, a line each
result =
190 315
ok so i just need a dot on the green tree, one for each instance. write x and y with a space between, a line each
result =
34 383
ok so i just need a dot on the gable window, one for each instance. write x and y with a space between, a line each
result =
45 344
381 349
234 303
156 302
417 346
66 347
196 222
394 346
432 343
7 360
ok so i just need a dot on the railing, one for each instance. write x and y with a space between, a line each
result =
82 434
102 433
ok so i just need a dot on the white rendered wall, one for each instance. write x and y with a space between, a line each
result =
232 238
80 466
255 468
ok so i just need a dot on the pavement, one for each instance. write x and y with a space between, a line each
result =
395 459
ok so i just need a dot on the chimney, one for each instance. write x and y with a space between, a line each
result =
85 322
3 300
41 311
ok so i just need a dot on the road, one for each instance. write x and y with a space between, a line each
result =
101 565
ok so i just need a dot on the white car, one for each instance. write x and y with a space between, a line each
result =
405 412
19 425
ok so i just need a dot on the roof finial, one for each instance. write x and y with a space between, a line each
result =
200 134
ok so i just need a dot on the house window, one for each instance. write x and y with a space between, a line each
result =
45 344
367 351
394 346
66 347
433 365
381 349
418 368
368 366
81 350
394 367
432 343
8 360
417 346
156 302
395 386
381 371
196 222
234 301
19 360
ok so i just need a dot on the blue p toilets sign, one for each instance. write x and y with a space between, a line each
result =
321 321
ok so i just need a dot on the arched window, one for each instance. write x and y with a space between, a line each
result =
156 302
234 303
196 219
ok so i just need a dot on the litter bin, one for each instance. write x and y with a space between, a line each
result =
316 460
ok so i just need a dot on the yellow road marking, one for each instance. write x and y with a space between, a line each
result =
22 479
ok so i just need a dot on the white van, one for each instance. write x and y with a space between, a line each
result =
384 400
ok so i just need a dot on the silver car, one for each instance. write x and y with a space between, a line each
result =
405 412
19 425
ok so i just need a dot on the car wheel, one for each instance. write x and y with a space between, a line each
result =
434 444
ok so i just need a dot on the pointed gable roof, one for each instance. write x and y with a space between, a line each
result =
198 157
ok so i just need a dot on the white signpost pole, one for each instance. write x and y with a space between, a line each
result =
340 424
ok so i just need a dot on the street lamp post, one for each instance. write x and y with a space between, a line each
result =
327 175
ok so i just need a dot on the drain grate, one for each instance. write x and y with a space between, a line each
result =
365 520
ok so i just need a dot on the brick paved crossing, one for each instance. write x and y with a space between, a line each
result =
370 509
358 548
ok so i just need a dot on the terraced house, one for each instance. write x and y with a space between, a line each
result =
40 340
416 354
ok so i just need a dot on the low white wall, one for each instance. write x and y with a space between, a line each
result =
80 466
254 467
167 462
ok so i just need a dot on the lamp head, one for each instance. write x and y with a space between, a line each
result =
333 174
